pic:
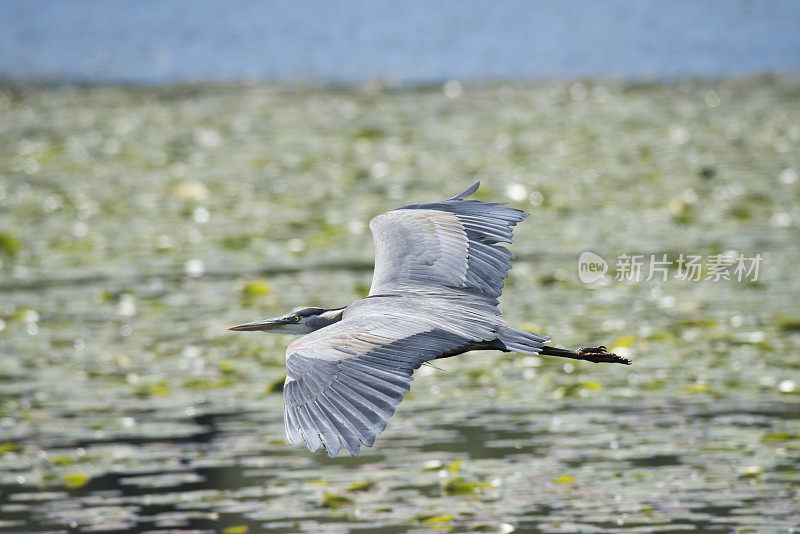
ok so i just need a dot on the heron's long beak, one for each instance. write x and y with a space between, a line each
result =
268 324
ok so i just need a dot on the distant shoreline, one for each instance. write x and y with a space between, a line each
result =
383 84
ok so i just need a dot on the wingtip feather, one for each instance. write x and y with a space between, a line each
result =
466 192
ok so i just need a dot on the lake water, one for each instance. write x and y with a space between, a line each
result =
136 224
418 41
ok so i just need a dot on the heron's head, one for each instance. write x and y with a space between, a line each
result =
298 322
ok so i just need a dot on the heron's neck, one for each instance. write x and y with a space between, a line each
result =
325 318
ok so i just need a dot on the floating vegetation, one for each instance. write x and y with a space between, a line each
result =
789 324
697 388
334 500
276 386
75 480
366 485
779 436
137 224
255 288
9 447
9 244
433 519
462 486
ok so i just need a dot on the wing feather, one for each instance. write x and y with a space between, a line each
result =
308 428
326 431
349 436
345 381
292 424
381 400
333 396
355 419
449 245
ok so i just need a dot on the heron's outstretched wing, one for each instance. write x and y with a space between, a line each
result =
451 244
344 381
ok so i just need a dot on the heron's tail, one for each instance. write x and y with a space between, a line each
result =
521 341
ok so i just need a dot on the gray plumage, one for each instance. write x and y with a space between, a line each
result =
439 270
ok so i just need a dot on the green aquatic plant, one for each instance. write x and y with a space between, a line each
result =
10 245
75 480
365 485
434 519
334 500
9 446
463 486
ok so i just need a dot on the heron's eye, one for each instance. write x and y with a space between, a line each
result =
296 318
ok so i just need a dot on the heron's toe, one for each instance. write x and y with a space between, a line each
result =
593 350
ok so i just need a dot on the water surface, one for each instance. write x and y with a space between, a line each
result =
137 224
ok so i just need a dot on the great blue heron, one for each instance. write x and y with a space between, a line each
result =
439 271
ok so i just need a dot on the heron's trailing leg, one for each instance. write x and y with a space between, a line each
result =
589 354
514 340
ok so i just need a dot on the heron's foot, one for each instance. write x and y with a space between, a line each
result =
593 350
601 355
589 354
